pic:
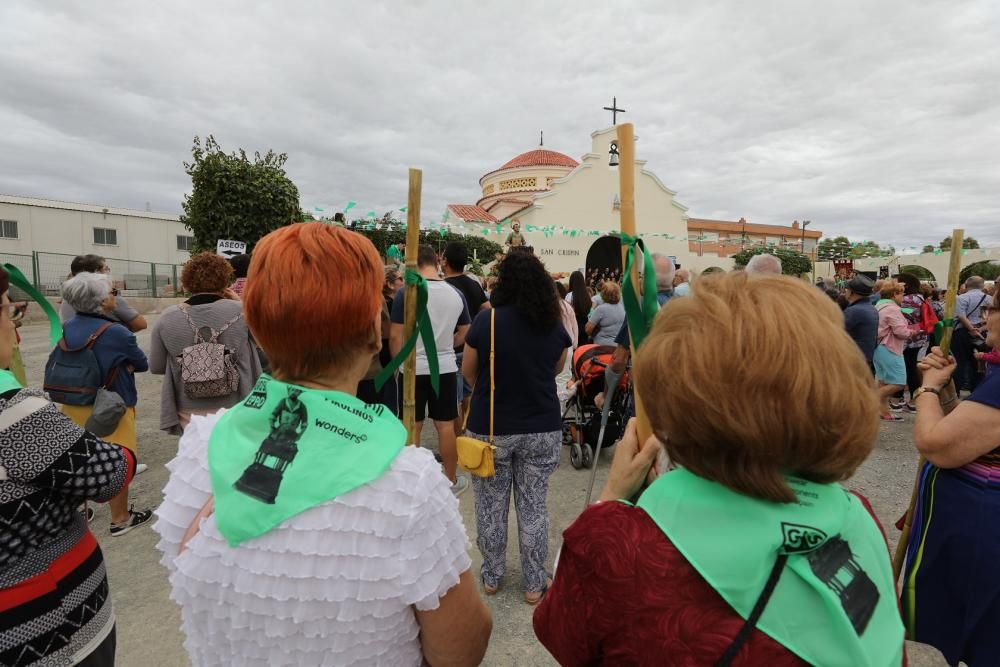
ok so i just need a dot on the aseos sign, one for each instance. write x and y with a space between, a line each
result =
230 248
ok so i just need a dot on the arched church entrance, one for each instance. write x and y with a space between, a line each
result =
920 272
987 269
604 260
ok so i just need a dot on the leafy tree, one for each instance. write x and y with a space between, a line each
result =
842 247
968 243
928 248
234 197
833 248
482 247
792 263
986 269
869 249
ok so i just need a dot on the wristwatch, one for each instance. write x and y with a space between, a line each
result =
926 390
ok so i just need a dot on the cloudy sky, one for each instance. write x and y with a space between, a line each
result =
877 120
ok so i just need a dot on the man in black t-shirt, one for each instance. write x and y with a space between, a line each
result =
455 259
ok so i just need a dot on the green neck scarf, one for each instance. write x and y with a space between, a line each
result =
835 602
423 330
286 449
640 317
8 382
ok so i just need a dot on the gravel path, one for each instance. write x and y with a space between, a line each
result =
148 622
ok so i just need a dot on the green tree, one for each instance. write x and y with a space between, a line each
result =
968 243
986 269
834 248
792 263
927 248
869 249
234 197
478 246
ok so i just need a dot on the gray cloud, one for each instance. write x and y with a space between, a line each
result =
874 120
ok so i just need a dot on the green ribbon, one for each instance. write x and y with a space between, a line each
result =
640 317
422 330
939 329
18 280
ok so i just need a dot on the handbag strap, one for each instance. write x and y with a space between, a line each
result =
493 314
758 610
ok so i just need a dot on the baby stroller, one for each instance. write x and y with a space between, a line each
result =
581 416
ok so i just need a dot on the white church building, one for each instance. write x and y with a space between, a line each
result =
565 206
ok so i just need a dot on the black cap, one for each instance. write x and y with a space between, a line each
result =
861 285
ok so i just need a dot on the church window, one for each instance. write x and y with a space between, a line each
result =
517 183
488 190
548 181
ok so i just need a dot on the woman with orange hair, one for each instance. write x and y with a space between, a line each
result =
320 536
749 552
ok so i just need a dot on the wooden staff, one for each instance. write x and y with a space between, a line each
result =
626 176
954 269
410 305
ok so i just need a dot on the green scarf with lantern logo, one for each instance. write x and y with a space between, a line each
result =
835 601
287 448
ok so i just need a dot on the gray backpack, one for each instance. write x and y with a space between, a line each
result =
208 368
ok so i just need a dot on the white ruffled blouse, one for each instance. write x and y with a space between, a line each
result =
334 585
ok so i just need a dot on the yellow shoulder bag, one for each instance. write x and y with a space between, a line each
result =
474 455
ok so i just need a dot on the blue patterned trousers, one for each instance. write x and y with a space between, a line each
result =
526 462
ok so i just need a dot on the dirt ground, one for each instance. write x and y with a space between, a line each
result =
149 622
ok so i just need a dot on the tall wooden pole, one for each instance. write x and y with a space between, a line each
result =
954 270
626 187
410 305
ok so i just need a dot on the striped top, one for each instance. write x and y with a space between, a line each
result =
985 469
55 607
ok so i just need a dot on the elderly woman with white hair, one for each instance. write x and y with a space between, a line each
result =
764 263
119 357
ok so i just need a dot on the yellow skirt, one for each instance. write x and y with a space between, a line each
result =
124 435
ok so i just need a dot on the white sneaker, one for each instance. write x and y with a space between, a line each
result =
460 486
141 468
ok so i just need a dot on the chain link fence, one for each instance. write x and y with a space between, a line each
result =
48 270
25 263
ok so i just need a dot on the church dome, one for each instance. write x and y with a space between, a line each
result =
540 158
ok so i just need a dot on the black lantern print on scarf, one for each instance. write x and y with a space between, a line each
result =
262 478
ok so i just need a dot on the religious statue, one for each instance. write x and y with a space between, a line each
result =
262 478
515 239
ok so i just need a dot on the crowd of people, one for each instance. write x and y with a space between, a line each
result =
299 526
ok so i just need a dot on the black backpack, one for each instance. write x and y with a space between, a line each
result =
72 375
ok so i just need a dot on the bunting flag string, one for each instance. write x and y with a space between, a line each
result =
371 222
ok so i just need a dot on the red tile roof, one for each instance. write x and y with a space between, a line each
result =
541 157
471 213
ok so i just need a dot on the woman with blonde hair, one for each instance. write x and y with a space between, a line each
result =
607 318
893 334
321 538
749 552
